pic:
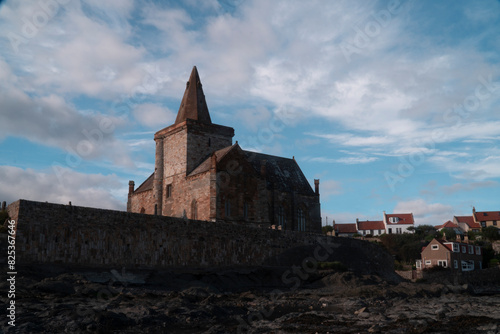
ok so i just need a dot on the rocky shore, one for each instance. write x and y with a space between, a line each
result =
243 300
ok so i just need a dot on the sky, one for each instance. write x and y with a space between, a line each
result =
393 105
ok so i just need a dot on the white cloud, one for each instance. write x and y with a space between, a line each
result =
94 190
328 188
153 115
425 213
458 187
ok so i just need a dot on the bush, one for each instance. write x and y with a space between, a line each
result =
493 263
336 265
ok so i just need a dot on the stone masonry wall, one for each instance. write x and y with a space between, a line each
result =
54 233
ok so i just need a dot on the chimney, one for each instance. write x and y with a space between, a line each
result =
466 238
458 238
131 185
316 186
444 235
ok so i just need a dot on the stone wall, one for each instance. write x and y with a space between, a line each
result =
54 233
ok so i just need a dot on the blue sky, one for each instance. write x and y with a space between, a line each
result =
393 105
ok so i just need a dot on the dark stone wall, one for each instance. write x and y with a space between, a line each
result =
54 233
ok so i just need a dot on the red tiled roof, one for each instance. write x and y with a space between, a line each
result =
346 228
487 215
469 220
404 218
448 224
371 225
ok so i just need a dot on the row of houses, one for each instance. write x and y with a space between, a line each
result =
393 223
398 223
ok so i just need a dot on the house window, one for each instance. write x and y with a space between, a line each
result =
435 247
169 190
379 231
483 224
455 263
227 208
390 230
418 264
456 248
245 210
194 210
301 219
464 249
281 216
471 249
443 263
428 262
478 250
467 265
495 223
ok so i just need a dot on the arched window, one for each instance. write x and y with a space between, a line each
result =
281 216
194 209
301 220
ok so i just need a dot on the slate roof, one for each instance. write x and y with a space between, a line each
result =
205 165
146 185
371 225
283 173
193 104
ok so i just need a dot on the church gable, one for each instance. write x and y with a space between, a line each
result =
200 174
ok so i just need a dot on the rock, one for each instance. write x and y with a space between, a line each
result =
55 287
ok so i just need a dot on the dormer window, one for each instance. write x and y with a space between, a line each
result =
393 220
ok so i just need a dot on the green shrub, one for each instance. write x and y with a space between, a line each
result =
336 265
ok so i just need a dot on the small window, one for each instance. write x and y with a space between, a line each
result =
478 250
169 190
464 249
227 208
428 262
435 247
471 249
456 248
455 263
467 265
483 224
418 264
495 223
443 263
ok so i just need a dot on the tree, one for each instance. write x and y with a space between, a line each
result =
327 228
491 233
450 233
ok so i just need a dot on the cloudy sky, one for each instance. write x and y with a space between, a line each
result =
393 105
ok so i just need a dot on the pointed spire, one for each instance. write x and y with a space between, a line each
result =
193 105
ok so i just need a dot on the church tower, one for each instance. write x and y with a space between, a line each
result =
181 147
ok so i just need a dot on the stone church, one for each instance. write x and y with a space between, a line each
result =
200 174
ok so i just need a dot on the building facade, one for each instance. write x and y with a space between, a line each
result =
486 218
200 174
455 255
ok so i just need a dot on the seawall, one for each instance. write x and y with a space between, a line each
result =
73 235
